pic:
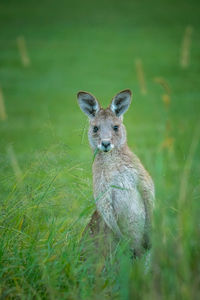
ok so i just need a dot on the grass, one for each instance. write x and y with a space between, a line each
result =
45 161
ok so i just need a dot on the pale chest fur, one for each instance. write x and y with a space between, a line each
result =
117 196
110 173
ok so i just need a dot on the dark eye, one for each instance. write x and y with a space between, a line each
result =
95 129
115 128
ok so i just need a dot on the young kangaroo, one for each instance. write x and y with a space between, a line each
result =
123 189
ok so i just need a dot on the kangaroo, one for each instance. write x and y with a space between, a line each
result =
123 189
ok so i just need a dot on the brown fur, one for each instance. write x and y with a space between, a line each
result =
123 189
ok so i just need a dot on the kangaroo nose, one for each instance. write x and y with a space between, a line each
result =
105 144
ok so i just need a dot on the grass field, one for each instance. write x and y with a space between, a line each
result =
49 50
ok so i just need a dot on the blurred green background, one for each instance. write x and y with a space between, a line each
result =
151 47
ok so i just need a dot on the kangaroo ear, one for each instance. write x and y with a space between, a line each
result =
120 103
88 103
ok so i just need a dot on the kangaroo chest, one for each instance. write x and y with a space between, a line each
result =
118 177
113 171
117 197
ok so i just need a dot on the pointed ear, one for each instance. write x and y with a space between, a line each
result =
120 103
88 103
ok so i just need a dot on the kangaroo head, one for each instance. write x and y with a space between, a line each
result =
106 130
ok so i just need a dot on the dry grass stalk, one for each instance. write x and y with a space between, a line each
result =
3 115
166 96
141 77
23 51
185 48
14 162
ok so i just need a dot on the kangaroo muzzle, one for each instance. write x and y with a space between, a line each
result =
105 145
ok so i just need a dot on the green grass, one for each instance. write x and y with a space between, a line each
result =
92 46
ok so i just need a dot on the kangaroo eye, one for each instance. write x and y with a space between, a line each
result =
95 129
115 128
